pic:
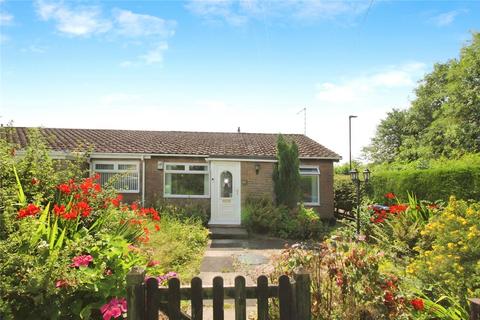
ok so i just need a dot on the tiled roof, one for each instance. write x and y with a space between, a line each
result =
213 144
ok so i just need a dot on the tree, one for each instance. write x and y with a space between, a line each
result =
286 173
444 118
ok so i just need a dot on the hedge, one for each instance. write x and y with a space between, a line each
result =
428 184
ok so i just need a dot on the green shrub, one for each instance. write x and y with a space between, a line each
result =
429 184
345 192
178 247
185 211
263 217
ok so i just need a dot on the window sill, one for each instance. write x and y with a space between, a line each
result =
128 191
312 204
178 196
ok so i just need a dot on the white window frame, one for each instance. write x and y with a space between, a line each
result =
186 171
318 182
116 170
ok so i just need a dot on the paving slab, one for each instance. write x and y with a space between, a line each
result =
230 258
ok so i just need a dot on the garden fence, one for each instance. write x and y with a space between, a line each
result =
145 298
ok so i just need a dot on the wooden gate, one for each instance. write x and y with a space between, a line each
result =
145 300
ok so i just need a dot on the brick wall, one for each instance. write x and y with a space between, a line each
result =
257 184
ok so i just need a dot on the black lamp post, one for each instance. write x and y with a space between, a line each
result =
350 140
356 180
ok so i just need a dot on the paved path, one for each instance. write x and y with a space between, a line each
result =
230 258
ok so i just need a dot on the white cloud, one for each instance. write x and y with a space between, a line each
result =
446 18
78 21
360 88
90 20
239 12
140 25
5 19
155 55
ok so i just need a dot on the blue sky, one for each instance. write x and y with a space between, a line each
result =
217 65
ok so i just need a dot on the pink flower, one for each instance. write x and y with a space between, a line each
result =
114 309
81 261
61 283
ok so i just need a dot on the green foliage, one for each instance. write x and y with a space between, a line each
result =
449 255
179 246
185 210
347 281
286 174
263 217
40 241
443 120
461 180
345 192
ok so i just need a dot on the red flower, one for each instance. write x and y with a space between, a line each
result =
35 181
417 304
390 195
108 272
117 200
83 208
157 227
30 210
59 211
388 297
64 188
81 261
134 206
398 208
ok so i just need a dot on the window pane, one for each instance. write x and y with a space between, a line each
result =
120 181
309 171
124 166
175 167
226 184
186 184
309 188
198 168
104 166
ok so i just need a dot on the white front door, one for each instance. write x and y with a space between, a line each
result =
225 187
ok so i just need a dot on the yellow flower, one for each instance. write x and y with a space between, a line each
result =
450 245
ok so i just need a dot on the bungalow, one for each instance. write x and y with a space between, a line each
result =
220 170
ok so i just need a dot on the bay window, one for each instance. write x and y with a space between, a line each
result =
310 185
186 180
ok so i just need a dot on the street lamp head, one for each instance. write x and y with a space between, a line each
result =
350 117
366 175
354 175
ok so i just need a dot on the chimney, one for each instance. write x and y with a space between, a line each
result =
238 130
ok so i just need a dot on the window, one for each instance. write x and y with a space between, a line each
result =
310 185
124 176
186 180
226 184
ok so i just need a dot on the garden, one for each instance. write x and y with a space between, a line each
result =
67 243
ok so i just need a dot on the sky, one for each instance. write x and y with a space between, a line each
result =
219 65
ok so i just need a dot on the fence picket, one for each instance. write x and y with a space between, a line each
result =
262 298
136 294
240 299
145 298
218 297
174 299
152 299
197 299
285 297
